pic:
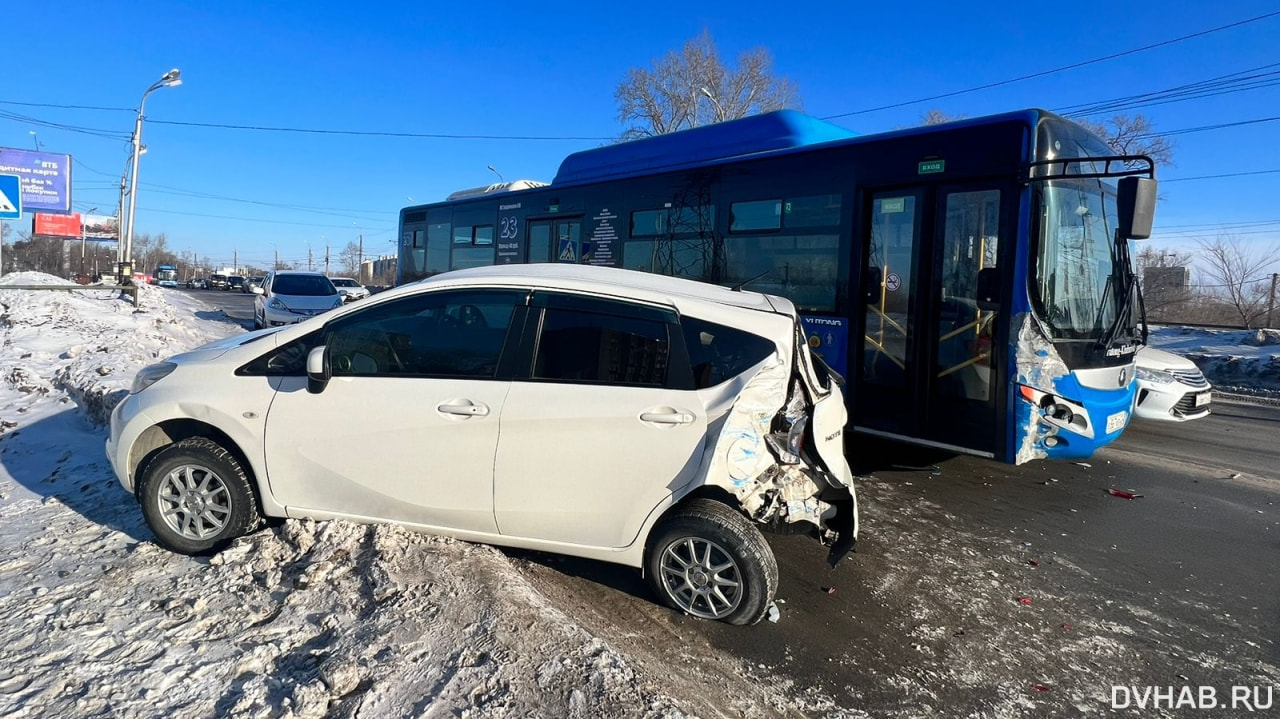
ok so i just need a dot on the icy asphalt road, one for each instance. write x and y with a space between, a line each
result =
1175 588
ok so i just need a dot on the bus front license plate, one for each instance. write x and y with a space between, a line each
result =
1115 422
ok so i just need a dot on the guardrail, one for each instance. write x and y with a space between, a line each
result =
130 290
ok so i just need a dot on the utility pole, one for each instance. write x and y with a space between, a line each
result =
235 262
311 266
1271 304
326 260
276 266
360 262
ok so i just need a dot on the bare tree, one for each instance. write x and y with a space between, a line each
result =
1132 135
693 87
349 259
1239 276
938 117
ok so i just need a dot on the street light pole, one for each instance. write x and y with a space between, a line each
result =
173 78
90 212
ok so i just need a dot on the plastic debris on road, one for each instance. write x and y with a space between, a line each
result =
829 590
1033 562
774 613
1040 687
1086 465
1066 627
1024 600
1122 494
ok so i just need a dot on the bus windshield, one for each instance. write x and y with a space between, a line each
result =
166 273
1078 278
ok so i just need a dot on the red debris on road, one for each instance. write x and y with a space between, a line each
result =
1122 494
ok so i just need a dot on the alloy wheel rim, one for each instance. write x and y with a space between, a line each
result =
194 502
701 577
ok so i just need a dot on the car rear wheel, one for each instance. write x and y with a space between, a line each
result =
708 560
196 497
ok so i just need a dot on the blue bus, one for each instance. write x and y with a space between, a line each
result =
166 276
971 280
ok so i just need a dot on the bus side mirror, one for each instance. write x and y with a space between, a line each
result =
875 285
317 369
989 288
1136 206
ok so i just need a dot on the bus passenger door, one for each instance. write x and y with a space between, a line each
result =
967 366
555 240
929 369
886 394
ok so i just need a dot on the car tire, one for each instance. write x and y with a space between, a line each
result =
708 560
196 497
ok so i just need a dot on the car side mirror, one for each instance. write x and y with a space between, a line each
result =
988 294
318 372
1135 207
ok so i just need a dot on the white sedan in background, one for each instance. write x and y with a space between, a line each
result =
1170 387
349 289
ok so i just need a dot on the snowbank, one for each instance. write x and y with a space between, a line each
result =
1240 361
303 619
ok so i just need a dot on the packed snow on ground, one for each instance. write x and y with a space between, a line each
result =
1241 361
302 619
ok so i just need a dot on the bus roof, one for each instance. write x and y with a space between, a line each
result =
782 129
771 132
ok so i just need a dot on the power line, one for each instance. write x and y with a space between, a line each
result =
1203 128
1229 174
1064 68
372 133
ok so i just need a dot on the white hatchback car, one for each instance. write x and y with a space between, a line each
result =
349 289
596 412
290 296
1170 387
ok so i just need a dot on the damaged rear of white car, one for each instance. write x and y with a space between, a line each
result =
776 449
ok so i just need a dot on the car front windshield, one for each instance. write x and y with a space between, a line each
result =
303 286
1079 277
339 282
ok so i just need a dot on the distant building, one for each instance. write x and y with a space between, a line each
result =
380 271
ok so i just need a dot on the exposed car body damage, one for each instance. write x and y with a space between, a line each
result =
764 457
1039 368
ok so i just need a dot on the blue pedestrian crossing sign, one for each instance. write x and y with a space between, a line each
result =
10 197
568 251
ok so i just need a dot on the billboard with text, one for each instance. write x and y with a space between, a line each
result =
44 224
45 179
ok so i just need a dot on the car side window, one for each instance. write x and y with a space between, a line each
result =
602 341
454 333
289 360
718 353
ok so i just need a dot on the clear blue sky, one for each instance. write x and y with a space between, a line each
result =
550 70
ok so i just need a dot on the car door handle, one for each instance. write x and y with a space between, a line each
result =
667 417
465 410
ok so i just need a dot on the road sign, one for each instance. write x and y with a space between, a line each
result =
568 251
10 197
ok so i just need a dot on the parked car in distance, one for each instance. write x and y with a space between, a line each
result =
253 285
217 281
1170 387
290 296
196 283
234 282
349 289
645 420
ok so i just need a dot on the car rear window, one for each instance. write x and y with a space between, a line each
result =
718 353
303 286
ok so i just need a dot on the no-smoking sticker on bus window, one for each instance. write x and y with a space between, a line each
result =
892 282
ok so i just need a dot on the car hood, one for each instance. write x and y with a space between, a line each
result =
1154 359
217 348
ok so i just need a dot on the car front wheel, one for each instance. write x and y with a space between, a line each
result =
708 560
196 497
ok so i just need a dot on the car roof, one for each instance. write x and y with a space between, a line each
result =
610 280
299 272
